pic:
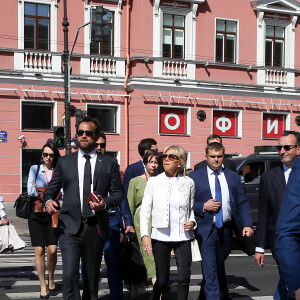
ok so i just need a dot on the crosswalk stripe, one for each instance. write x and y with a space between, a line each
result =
25 258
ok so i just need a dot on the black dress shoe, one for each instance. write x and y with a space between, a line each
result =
52 291
44 297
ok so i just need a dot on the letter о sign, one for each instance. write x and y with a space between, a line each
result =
172 121
225 123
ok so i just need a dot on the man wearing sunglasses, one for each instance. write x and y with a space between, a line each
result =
83 219
272 185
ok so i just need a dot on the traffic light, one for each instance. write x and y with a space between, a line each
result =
78 113
59 137
100 23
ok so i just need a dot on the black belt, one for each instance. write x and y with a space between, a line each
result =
89 220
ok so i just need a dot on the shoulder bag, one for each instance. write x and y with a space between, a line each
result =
24 203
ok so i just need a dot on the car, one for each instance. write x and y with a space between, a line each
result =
250 169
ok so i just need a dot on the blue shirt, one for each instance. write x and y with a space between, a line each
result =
40 181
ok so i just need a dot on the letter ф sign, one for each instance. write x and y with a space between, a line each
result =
173 121
273 125
225 123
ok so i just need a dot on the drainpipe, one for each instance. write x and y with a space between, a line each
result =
128 7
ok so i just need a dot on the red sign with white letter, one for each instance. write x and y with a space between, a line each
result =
273 125
225 123
172 120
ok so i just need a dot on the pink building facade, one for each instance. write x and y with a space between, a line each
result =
176 71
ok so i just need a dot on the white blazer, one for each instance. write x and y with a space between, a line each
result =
156 201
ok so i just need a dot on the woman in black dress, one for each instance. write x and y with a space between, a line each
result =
42 236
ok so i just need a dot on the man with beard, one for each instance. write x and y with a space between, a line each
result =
83 226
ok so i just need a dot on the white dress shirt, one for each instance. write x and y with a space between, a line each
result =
226 209
175 232
81 164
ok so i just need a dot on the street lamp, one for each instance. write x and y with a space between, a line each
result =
66 60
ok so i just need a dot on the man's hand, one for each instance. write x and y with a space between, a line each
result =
147 246
259 258
4 221
96 206
52 207
248 231
212 205
129 229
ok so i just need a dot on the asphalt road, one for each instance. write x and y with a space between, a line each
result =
18 278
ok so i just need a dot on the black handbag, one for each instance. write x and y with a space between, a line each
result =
132 264
23 206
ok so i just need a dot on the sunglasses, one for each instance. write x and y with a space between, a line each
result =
171 157
51 155
285 147
87 132
102 145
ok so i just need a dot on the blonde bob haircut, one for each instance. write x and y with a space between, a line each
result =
178 151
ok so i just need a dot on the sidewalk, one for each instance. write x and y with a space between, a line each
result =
21 225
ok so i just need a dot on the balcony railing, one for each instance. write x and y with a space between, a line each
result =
276 77
176 69
38 62
103 66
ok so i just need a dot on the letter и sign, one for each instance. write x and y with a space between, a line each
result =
3 136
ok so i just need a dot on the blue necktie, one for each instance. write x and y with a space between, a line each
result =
218 196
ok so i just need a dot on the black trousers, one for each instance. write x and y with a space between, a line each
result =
161 252
88 244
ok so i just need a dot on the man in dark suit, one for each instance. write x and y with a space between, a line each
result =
272 185
112 247
83 226
288 238
220 206
138 168
227 163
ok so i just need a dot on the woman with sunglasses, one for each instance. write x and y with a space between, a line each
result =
168 201
151 161
39 223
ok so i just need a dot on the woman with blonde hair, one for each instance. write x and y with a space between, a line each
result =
168 201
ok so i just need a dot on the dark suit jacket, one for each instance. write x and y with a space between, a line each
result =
228 164
133 170
288 231
271 188
239 206
106 180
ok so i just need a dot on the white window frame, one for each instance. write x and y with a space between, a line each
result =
118 115
287 122
237 38
54 113
117 28
239 122
53 22
188 120
189 37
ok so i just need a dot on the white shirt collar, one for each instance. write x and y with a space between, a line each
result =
92 153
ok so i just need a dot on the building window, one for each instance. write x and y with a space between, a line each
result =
173 36
29 157
106 115
106 46
37 116
226 41
274 51
36 26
